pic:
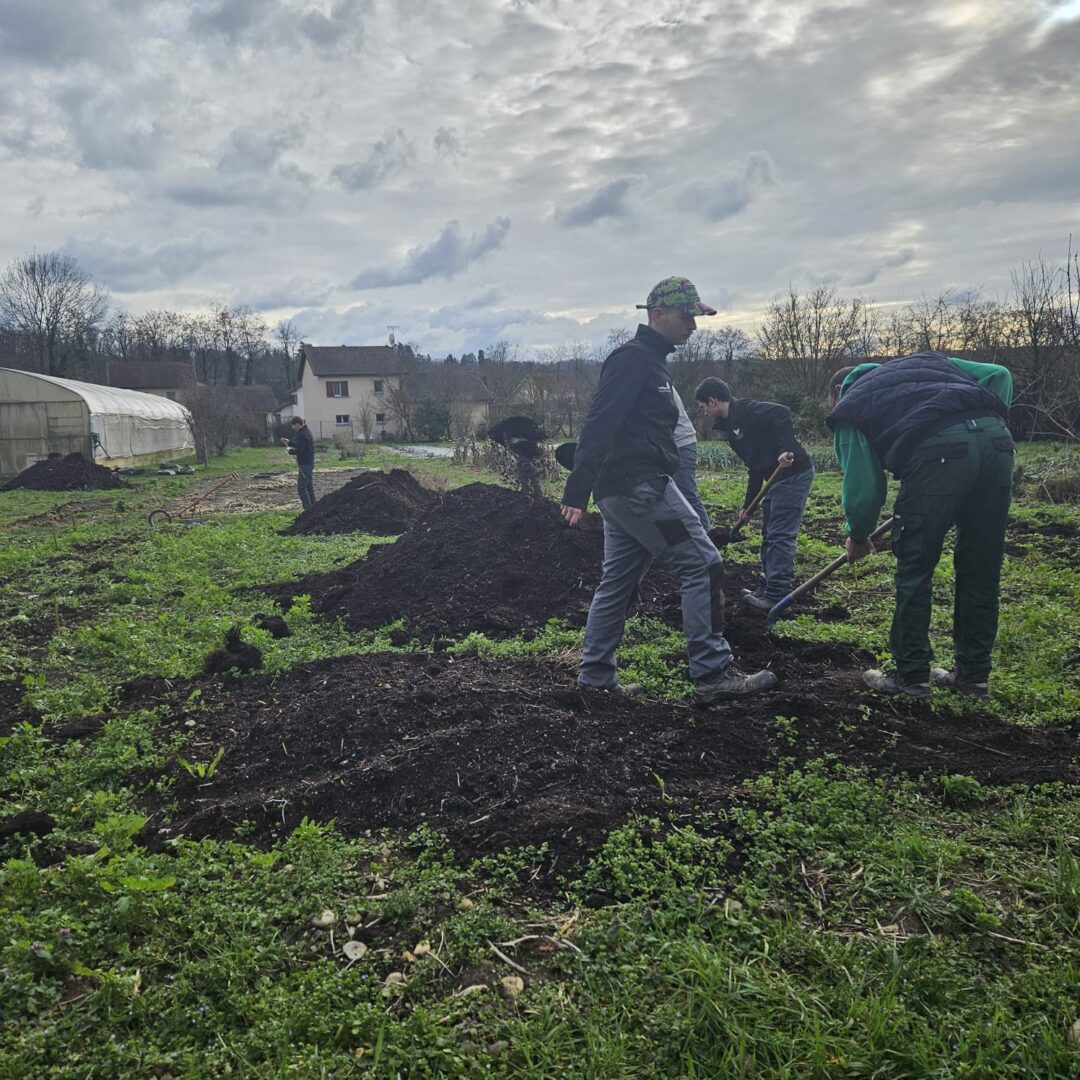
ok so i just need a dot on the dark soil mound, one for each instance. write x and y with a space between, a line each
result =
490 559
71 473
384 504
484 558
498 753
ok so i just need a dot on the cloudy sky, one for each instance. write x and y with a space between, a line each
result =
524 170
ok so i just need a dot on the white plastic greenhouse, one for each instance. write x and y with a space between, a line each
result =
42 415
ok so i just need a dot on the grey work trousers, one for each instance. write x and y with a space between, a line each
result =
781 517
686 481
653 521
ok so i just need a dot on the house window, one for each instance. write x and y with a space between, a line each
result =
337 389
342 418
380 418
378 386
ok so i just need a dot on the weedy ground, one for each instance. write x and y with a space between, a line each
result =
832 923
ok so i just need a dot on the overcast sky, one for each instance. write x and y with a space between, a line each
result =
525 170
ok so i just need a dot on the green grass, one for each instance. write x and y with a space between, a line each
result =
829 924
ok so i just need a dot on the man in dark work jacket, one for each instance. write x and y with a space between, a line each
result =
939 424
761 434
626 458
302 446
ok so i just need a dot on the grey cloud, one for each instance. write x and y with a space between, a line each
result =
448 255
131 267
732 191
484 300
608 202
257 149
35 207
230 19
295 293
890 262
344 24
447 144
285 189
56 32
108 132
392 154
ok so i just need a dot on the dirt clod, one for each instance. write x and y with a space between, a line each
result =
274 625
236 654
27 823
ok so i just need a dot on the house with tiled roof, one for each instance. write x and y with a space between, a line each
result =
344 389
165 378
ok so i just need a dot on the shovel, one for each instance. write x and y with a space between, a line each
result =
736 530
782 605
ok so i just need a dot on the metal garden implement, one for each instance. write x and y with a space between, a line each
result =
782 605
160 516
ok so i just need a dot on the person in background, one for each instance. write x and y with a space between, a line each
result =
302 447
686 475
939 425
761 434
626 458
521 437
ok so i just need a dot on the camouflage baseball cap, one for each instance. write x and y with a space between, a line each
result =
677 292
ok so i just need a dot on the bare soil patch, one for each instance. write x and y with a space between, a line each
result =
258 492
1056 539
510 753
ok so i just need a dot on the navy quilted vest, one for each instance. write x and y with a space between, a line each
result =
900 403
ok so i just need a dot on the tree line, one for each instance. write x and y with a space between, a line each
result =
54 319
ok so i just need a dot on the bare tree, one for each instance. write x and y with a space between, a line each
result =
225 331
811 334
288 339
251 339
48 299
1046 352
365 419
400 394
502 373
218 418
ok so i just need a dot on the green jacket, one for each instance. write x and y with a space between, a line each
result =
865 483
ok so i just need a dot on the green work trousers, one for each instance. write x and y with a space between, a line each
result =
961 476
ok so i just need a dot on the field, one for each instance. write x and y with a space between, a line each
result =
407 845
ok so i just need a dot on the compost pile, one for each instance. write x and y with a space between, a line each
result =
511 752
484 558
384 504
70 473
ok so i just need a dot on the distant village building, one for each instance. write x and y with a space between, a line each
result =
371 392
165 378
253 408
343 389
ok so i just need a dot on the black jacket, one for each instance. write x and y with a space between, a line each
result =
759 432
303 443
627 435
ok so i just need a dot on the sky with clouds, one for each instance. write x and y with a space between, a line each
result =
524 170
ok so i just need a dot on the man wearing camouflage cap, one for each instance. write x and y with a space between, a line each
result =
625 459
